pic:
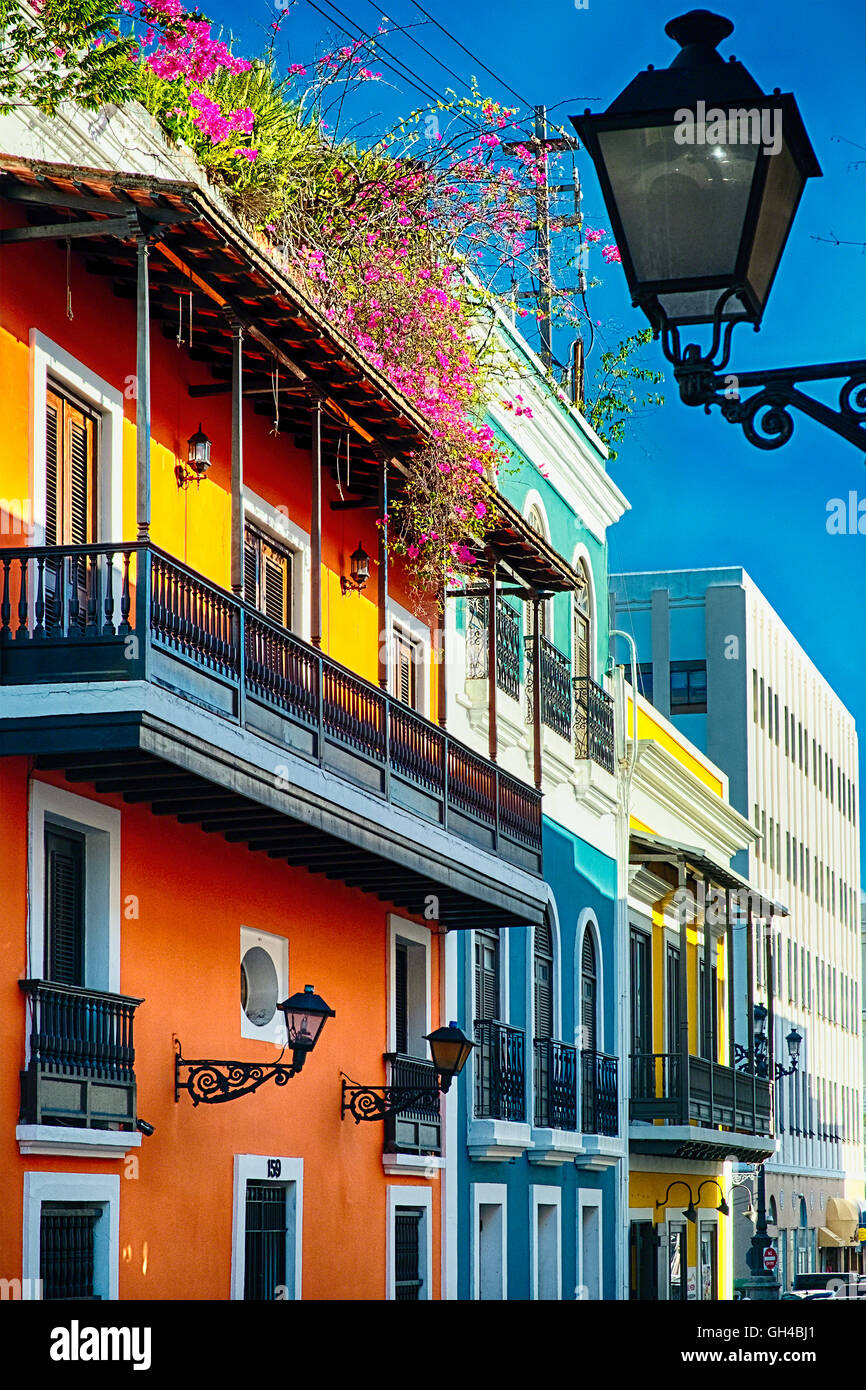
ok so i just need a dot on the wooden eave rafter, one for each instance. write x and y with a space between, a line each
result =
199 247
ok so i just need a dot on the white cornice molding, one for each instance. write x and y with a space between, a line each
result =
646 887
677 792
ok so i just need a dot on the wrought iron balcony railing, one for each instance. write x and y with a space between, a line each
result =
555 686
709 1092
593 723
500 1076
555 1085
131 612
599 1093
80 1068
417 1130
507 645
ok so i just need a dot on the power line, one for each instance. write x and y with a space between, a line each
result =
418 44
427 94
473 56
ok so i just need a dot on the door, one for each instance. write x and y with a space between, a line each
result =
486 1012
643 1262
70 500
64 906
677 1262
709 1259
673 1013
265 1241
405 672
642 1070
588 994
268 577
543 995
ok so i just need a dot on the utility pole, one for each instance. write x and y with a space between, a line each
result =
540 142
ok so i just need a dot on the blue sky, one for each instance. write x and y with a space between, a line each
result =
700 494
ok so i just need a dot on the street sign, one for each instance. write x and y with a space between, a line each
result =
771 1259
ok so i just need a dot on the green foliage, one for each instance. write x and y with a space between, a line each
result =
615 396
70 50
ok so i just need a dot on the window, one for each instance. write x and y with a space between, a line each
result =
71 490
582 626
754 695
677 1262
776 723
67 1251
410 1244
74 889
268 577
645 680
265 1237
588 994
761 702
708 1251
266 1227
673 1014
641 992
264 982
487 974
405 666
689 687
416 1130
709 1019
543 981
64 906
71 1235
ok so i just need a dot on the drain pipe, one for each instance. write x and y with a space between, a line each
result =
626 773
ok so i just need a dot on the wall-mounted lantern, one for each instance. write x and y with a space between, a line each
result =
197 460
360 562
449 1048
691 1211
211 1082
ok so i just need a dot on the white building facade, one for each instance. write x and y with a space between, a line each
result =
719 662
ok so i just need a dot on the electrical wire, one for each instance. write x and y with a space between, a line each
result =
404 30
394 66
473 56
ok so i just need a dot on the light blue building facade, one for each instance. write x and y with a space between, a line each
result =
534 1182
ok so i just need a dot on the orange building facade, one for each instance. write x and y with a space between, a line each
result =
223 774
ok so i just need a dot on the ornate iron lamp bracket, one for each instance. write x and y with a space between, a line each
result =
764 416
212 1082
378 1102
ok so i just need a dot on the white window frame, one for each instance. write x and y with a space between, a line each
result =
492 1194
277 948
708 1218
587 1199
418 633
273 523
409 931
50 363
98 1189
543 1196
410 1197
254 1168
100 826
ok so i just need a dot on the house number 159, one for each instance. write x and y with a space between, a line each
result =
275 1167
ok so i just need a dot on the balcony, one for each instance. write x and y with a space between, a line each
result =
80 1069
555 1085
499 1129
419 1130
130 613
599 1088
555 670
507 645
702 1110
593 723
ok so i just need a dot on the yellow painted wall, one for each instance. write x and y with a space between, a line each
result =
650 728
645 1189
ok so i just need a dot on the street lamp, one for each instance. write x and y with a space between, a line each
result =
213 1082
701 174
197 460
449 1049
359 561
793 1041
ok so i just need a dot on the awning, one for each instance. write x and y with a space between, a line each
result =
829 1238
843 1220
644 847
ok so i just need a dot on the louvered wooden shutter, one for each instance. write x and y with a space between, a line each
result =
79 468
587 993
404 674
401 999
274 573
64 908
486 975
543 982
53 460
251 570
581 645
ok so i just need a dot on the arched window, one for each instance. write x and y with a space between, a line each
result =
582 625
588 994
543 981
535 522
772 1214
